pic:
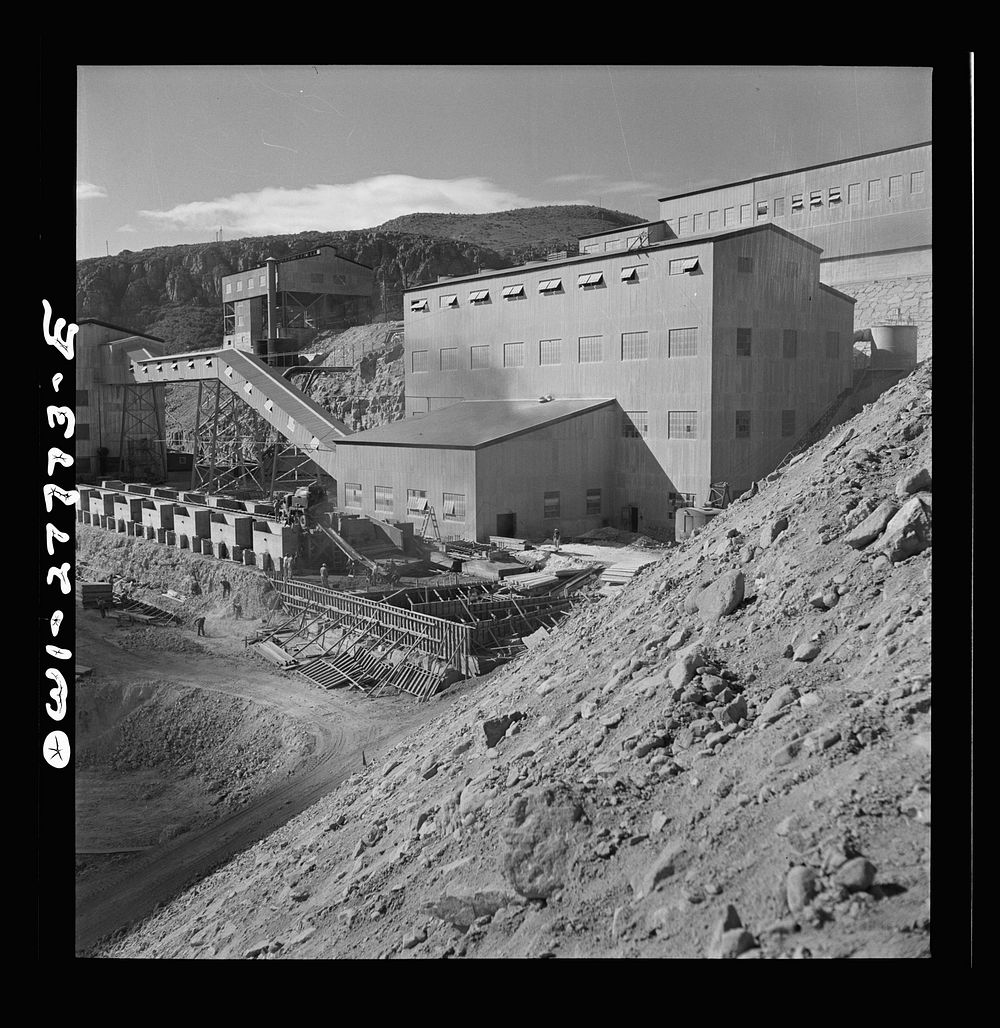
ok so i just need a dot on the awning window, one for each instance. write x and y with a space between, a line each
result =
417 503
630 274
479 296
418 305
449 506
550 285
511 291
689 264
593 279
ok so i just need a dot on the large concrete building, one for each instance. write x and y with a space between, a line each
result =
283 304
673 363
114 416
870 215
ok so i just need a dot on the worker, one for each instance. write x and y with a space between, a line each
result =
291 567
200 625
237 610
555 539
102 606
225 588
324 576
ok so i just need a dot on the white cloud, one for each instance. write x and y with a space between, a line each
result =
352 205
88 191
127 228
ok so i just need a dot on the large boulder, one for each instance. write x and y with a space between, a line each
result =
689 659
871 528
538 836
772 530
909 531
722 597
916 482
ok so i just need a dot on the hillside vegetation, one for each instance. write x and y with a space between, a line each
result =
728 757
174 292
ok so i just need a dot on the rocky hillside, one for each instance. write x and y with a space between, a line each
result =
729 757
174 292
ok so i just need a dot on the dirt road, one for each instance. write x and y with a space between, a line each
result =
340 726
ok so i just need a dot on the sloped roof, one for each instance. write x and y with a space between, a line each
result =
473 424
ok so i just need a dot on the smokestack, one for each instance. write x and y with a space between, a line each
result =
272 299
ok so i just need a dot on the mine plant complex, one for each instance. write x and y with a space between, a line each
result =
639 384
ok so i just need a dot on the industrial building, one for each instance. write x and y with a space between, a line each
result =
720 351
116 417
871 215
281 306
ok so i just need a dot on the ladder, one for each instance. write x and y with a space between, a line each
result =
430 518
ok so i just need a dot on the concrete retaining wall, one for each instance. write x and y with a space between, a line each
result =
879 300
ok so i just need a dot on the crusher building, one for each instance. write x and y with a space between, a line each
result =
671 364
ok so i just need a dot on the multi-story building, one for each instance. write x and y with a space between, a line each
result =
718 351
283 304
870 215
111 410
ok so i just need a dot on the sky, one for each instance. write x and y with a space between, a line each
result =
169 155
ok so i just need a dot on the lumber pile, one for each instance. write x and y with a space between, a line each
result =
624 570
89 594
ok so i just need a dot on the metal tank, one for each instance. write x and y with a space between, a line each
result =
894 347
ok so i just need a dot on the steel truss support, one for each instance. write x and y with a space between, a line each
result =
291 466
141 446
231 444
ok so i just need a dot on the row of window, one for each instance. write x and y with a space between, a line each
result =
453 504
612 245
254 281
554 286
681 342
695 224
683 424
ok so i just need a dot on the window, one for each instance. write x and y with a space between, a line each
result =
383 497
550 285
454 506
682 342
788 422
635 273
916 181
744 343
816 198
418 305
683 265
419 359
550 506
874 189
82 431
513 355
449 300
479 296
713 220
632 242
779 207
591 281
833 344
743 424
635 424
789 343
83 397
448 357
593 501
479 357
591 349
635 346
744 213
614 244
895 187
796 202
833 195
229 287
262 281
682 424
854 192
591 247
416 501
762 208
549 351
697 223
682 225
512 292
239 321
730 216
239 286
352 494
744 264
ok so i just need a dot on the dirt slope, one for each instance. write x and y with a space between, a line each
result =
683 771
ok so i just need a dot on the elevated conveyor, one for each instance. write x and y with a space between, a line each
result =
281 404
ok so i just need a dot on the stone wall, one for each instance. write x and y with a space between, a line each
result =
879 299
